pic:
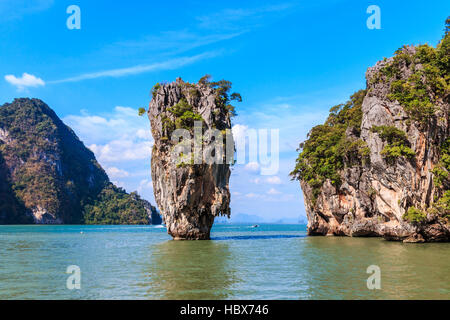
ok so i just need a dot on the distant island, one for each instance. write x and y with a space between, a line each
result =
380 164
48 176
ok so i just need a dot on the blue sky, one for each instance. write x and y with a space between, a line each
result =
290 60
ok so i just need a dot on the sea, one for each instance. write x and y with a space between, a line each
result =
272 261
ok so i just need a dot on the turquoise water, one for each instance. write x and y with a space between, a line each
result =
240 262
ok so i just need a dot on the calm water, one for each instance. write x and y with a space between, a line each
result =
270 262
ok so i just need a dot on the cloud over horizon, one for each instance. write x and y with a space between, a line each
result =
27 80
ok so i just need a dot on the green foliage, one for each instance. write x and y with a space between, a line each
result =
205 80
114 206
167 125
412 95
223 96
428 82
185 116
348 114
397 143
443 54
52 168
392 152
328 149
414 216
442 206
442 182
186 121
155 89
141 111
441 171
180 108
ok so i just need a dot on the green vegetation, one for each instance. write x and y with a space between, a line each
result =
429 82
414 216
328 149
441 206
155 89
141 111
184 114
185 160
441 171
114 206
53 170
223 96
397 143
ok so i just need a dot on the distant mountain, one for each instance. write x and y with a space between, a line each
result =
251 218
241 218
296 220
48 176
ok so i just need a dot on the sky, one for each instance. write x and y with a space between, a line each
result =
290 60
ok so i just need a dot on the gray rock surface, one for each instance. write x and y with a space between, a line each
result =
189 196
374 196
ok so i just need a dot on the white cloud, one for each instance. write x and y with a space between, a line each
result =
27 80
119 184
273 191
115 137
273 180
114 172
252 167
122 143
255 181
239 131
145 185
252 195
122 150
116 73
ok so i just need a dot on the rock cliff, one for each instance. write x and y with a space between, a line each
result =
189 190
48 176
380 164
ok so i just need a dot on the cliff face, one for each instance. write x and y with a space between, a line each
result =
379 165
190 193
48 176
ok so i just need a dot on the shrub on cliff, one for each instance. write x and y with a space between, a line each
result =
182 115
397 143
328 148
223 96
428 82
414 216
185 115
441 171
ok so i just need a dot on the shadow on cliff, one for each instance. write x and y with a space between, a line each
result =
12 209
259 237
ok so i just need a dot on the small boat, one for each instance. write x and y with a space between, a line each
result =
255 226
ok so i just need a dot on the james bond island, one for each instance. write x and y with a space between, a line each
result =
191 193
